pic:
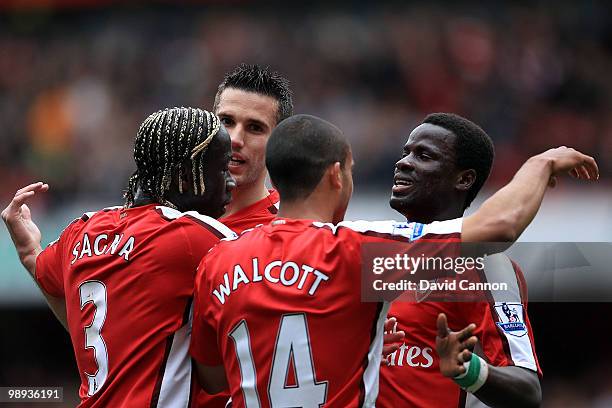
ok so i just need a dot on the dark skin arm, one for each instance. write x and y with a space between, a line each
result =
506 214
511 387
505 386
211 378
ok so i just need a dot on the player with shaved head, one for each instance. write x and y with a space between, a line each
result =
278 311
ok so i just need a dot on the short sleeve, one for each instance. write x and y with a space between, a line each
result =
204 348
505 330
49 270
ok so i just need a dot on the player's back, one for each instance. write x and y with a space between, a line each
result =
284 302
127 276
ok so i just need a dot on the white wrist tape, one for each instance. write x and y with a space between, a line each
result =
476 374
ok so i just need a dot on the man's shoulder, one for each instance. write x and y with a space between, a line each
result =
193 219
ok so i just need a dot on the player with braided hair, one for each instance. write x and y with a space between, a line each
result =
121 279
173 141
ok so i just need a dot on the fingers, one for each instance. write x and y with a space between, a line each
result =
582 173
18 201
389 348
394 337
464 356
465 334
32 187
442 325
586 167
390 324
23 194
591 167
469 343
579 165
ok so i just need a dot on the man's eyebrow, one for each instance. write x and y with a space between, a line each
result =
257 122
421 146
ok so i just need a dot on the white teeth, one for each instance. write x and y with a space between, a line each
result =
403 183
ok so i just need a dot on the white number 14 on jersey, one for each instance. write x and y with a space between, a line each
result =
292 346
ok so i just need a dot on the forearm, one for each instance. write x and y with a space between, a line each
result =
57 305
511 387
28 256
505 215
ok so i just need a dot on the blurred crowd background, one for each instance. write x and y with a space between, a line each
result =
76 84
76 80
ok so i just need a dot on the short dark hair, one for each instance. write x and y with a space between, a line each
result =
165 142
299 151
473 148
259 80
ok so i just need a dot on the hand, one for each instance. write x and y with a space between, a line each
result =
565 159
18 219
391 338
453 347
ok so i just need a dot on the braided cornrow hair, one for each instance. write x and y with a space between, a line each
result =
164 141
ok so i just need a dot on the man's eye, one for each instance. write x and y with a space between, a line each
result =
226 121
255 128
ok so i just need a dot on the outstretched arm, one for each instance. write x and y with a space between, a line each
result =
26 238
505 215
495 386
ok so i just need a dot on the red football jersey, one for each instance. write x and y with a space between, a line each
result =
413 378
127 276
280 307
260 212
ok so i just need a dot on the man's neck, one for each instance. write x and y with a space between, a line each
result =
305 210
244 197
320 205
143 198
443 215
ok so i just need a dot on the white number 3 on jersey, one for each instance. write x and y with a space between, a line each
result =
95 291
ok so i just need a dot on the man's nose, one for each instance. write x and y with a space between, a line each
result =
237 137
405 163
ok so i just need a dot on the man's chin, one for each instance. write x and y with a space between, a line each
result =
400 204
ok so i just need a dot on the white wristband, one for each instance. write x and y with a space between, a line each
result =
482 377
475 375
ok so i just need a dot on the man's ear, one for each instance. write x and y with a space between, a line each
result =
465 180
335 175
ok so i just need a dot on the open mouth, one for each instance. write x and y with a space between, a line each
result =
236 161
406 183
401 185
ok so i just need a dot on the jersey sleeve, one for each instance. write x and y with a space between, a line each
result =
203 348
439 239
393 231
504 330
49 266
